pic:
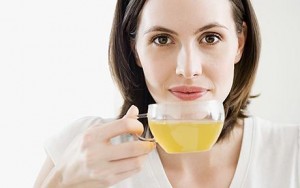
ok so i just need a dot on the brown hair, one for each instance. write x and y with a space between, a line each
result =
130 78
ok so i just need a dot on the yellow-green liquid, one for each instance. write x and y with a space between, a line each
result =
186 136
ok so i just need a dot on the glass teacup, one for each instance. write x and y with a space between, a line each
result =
185 126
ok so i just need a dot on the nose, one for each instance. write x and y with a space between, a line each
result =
189 63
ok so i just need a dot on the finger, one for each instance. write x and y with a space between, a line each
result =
119 167
89 184
103 169
132 112
127 124
103 161
118 127
113 179
129 150
121 176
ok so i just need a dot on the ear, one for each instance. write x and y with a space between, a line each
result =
242 36
136 56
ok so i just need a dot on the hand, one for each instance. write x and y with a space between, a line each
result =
91 160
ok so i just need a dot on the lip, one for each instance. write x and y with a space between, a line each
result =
188 93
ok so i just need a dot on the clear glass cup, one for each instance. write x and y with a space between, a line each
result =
185 126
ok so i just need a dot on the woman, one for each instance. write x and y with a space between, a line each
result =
171 51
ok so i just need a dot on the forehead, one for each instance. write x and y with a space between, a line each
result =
186 14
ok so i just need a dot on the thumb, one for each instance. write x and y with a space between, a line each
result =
132 112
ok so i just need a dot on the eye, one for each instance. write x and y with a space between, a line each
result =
162 40
211 39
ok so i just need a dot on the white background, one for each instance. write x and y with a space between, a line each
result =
53 70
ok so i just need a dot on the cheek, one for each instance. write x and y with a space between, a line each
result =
157 66
222 77
156 73
225 71
159 70
156 77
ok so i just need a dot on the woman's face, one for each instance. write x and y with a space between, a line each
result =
188 48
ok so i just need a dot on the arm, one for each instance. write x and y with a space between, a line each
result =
92 161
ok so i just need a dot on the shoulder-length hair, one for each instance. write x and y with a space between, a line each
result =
130 78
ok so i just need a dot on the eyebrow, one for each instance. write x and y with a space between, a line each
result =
160 29
209 26
163 29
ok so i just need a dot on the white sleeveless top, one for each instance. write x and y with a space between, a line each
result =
269 157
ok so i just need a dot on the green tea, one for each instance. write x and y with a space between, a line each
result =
185 136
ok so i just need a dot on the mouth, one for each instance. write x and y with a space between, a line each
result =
188 93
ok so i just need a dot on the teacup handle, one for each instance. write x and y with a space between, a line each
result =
146 131
146 139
